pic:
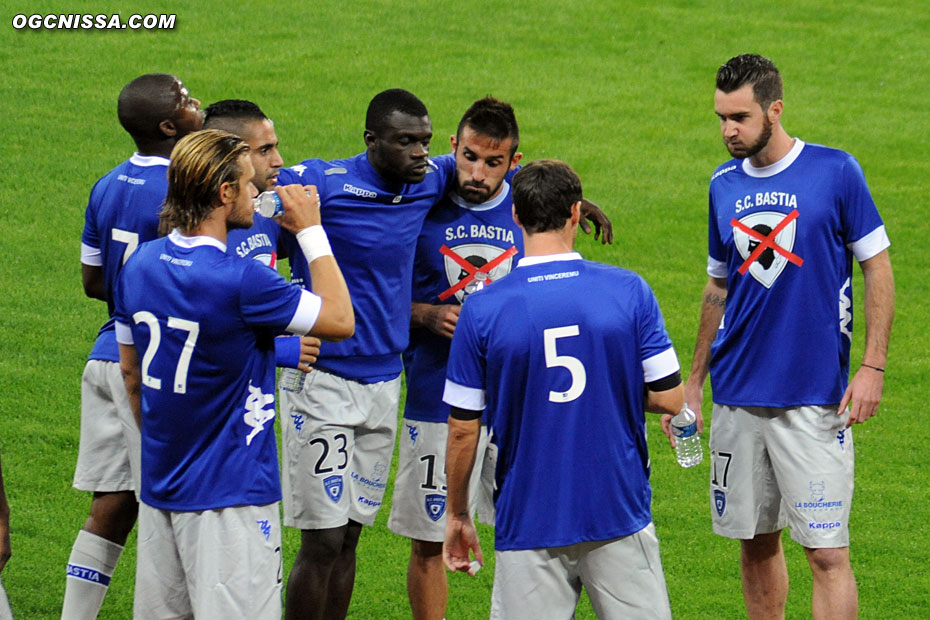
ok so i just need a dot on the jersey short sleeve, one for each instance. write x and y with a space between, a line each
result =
465 375
260 301
862 227
658 354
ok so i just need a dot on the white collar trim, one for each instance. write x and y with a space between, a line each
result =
548 258
484 206
780 165
149 160
196 241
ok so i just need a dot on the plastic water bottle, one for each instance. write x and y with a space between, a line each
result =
268 204
292 380
688 442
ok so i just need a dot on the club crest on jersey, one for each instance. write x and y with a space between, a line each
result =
765 241
435 506
720 501
333 486
256 415
470 267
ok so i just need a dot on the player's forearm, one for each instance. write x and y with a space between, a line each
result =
713 304
419 313
879 308
460 459
132 378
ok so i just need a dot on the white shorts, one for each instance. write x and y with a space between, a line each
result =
110 448
776 467
215 564
418 505
337 445
623 578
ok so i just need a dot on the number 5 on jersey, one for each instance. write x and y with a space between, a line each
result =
572 364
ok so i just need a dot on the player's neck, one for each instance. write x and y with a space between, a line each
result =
214 226
779 145
549 242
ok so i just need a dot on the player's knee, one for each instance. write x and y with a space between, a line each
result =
322 546
828 561
113 515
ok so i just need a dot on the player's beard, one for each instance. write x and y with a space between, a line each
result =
476 193
742 152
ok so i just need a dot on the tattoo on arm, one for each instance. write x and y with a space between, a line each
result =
712 299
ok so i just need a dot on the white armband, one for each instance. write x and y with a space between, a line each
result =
314 243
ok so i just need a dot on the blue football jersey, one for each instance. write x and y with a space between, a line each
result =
462 248
122 213
203 323
372 227
784 237
558 354
260 242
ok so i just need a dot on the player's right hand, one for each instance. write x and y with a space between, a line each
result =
301 207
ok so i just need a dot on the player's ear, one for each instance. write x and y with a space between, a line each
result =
167 127
774 112
453 142
227 193
515 160
370 138
576 213
516 220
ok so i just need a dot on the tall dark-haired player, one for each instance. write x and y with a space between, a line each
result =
786 221
122 212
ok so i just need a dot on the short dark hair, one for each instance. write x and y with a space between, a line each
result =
543 194
492 118
200 163
389 101
751 69
232 115
144 103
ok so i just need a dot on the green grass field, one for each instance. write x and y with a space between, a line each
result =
621 90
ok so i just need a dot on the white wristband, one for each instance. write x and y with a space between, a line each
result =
314 243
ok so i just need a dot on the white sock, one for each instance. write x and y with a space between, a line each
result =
90 567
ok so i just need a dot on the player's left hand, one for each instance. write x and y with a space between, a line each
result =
864 392
602 226
309 351
461 537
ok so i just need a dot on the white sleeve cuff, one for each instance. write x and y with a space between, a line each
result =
463 397
870 245
308 311
123 333
661 365
91 256
716 268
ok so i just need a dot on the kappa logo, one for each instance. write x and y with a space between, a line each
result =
333 486
265 526
470 263
256 415
435 506
358 191
720 501
413 431
841 438
775 232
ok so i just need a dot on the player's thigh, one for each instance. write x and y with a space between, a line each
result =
370 461
744 494
624 578
232 559
814 459
535 583
161 585
104 463
317 446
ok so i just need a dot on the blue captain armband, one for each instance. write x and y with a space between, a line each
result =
287 351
